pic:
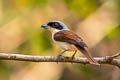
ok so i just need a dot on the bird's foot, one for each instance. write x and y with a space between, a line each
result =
59 57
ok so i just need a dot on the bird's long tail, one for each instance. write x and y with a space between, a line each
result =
86 54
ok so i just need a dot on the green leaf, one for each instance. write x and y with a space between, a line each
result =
83 7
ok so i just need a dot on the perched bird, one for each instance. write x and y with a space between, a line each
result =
67 40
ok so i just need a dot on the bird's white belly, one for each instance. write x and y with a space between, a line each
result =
63 45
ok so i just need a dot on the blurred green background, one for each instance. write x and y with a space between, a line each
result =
96 21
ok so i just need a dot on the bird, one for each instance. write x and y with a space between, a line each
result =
68 40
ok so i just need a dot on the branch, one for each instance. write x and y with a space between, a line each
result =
19 57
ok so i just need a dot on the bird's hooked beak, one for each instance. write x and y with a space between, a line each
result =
45 26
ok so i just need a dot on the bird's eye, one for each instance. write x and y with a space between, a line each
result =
56 24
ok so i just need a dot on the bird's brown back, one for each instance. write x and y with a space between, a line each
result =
69 37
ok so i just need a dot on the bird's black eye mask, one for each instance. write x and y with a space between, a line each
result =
55 25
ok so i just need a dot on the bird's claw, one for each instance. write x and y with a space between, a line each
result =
59 57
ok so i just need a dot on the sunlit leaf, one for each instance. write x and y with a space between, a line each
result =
83 7
114 33
38 40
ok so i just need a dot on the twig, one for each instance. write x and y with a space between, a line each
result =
116 55
20 57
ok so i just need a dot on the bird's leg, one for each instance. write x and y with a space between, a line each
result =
63 52
74 54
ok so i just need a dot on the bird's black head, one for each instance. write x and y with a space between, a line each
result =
56 25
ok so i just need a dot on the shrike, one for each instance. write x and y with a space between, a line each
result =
68 40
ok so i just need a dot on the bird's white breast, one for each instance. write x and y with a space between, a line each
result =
63 45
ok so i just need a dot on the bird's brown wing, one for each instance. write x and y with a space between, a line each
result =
69 37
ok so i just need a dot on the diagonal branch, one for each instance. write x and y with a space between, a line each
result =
19 57
116 55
